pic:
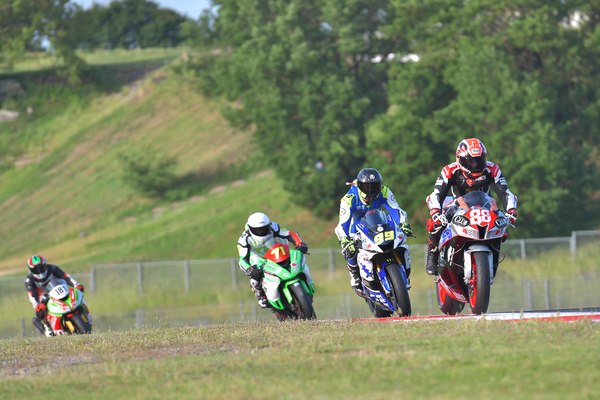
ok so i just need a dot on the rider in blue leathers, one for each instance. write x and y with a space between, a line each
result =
366 193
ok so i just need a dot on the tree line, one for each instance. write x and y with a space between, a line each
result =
330 86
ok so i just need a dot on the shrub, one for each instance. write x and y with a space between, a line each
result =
148 172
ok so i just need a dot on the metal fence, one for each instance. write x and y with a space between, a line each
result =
149 274
223 275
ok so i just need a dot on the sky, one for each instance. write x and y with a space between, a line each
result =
191 8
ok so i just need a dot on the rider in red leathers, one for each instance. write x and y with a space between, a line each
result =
470 172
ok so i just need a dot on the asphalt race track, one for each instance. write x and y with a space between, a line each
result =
567 315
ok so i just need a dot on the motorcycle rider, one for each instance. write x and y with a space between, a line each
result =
471 171
366 193
40 273
259 235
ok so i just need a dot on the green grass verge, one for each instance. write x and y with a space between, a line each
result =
300 360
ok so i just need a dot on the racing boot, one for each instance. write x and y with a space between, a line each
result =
355 281
433 255
47 330
259 292
261 298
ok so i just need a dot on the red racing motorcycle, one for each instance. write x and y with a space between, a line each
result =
469 249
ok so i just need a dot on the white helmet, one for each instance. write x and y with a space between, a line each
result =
260 227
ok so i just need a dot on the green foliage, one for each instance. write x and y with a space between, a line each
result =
522 81
520 75
147 171
24 25
127 24
300 73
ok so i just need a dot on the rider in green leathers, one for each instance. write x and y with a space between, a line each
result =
260 234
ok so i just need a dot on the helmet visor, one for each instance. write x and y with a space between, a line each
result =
371 189
38 269
473 164
261 231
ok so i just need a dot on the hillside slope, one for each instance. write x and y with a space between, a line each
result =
66 198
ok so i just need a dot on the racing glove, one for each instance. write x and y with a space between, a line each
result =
40 311
302 247
80 287
254 272
348 247
437 217
512 215
405 226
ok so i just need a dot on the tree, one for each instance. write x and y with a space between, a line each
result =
128 24
517 74
302 73
25 24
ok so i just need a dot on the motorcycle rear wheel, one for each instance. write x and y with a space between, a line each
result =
303 302
399 290
447 304
479 292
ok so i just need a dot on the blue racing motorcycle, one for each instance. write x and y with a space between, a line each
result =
382 258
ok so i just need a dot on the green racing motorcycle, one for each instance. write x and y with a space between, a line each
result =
289 294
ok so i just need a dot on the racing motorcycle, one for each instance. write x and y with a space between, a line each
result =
66 309
285 285
382 258
469 248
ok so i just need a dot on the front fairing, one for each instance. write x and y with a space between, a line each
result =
476 218
58 307
380 231
278 278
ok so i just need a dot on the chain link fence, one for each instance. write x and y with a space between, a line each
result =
213 276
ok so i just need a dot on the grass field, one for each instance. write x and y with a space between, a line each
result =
61 188
313 360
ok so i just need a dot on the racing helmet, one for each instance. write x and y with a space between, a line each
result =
369 184
259 226
37 267
471 157
280 254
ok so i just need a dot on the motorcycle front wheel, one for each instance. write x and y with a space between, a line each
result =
303 302
399 290
479 286
80 325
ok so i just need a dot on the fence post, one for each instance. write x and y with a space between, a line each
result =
186 272
140 275
139 318
528 298
234 267
573 244
331 264
523 252
93 279
547 291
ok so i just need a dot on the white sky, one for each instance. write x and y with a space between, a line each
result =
192 8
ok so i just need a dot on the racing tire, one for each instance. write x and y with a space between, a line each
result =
80 325
447 304
303 302
399 290
479 287
378 312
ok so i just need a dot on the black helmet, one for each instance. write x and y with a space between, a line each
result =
369 184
